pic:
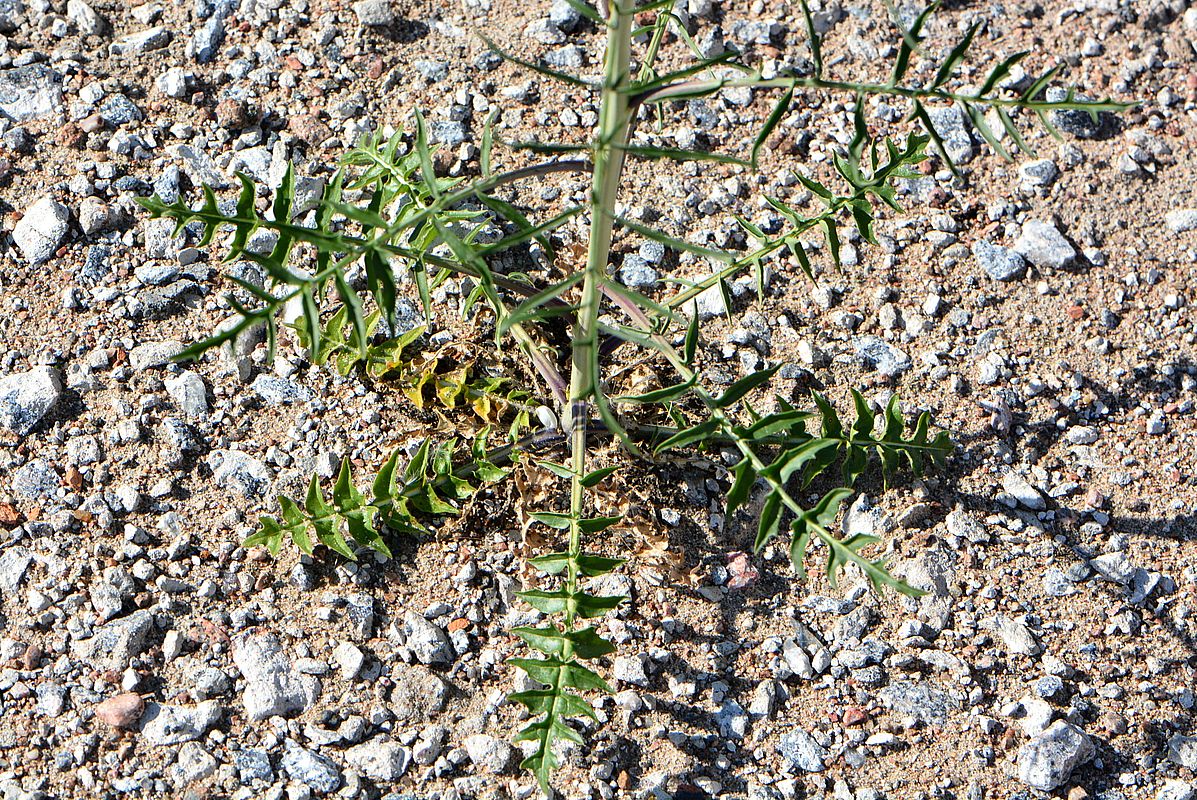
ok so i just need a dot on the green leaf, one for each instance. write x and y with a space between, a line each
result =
678 154
548 73
1000 71
791 422
833 240
920 113
588 565
556 704
769 522
813 38
488 141
955 57
698 433
691 345
810 454
559 470
560 522
676 244
666 394
910 41
1015 134
779 111
539 701
585 10
741 486
745 385
553 642
555 602
597 524
978 120
595 477
535 306
593 607
1040 83
725 293
425 153
526 229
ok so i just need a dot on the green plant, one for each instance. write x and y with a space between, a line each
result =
387 211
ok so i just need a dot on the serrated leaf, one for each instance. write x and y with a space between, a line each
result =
576 676
567 704
554 642
791 422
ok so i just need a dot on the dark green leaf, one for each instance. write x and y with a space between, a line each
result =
779 111
955 57
745 385
667 394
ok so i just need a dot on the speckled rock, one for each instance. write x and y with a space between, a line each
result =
26 398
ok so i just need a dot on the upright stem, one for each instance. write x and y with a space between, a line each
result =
608 155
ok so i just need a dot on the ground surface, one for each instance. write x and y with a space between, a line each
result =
1058 544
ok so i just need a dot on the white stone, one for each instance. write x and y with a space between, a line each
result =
85 17
374 13
25 398
350 659
1016 636
189 394
175 82
379 759
30 92
42 229
1048 760
1021 490
488 753
1181 220
162 725
272 688
1043 245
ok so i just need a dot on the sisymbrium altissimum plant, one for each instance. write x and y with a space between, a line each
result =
386 213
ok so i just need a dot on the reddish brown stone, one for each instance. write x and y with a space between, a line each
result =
232 114
9 516
74 479
310 129
71 135
121 711
855 716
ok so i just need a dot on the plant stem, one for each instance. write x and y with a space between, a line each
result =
608 155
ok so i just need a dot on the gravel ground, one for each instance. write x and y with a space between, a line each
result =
1039 310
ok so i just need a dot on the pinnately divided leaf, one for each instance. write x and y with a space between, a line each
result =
398 500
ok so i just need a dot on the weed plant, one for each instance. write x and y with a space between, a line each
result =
385 214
